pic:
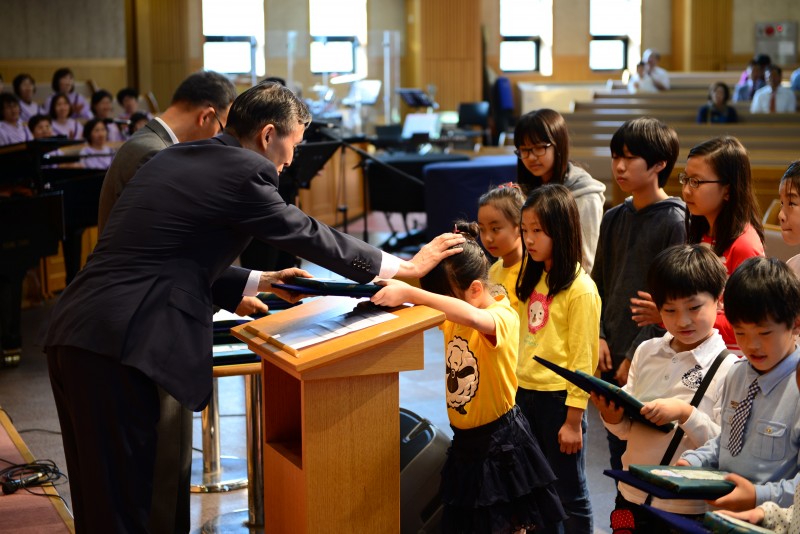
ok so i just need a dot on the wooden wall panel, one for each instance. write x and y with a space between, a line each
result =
698 45
165 52
449 43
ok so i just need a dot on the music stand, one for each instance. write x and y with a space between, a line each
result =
309 159
23 160
416 98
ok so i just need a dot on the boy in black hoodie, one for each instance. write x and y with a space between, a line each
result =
643 153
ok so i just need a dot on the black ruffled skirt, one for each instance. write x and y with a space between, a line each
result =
496 480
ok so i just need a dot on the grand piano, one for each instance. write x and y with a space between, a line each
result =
40 205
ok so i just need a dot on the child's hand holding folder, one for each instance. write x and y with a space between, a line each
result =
609 411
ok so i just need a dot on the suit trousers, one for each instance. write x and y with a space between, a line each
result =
170 512
108 414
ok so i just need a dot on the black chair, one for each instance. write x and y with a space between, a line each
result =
474 116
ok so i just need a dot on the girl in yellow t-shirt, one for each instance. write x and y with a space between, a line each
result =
498 223
496 479
560 318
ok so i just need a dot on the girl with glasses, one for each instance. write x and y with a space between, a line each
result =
542 146
723 212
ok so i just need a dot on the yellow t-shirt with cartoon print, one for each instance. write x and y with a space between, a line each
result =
564 330
481 380
506 277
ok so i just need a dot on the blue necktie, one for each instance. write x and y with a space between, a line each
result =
736 440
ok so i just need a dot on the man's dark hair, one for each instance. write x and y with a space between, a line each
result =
650 139
682 271
774 68
205 88
127 92
762 289
267 103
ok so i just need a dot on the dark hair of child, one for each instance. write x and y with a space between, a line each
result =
792 176
54 101
127 92
682 271
649 139
558 216
89 126
505 198
730 162
537 127
57 75
453 275
762 289
35 120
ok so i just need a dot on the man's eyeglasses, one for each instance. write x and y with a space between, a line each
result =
538 151
693 181
221 126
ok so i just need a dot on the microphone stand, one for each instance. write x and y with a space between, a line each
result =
365 156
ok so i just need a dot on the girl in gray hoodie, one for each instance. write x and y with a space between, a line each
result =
542 142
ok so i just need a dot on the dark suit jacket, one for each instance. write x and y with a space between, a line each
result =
144 296
138 150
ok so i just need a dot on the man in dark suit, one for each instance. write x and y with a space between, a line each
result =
139 315
198 110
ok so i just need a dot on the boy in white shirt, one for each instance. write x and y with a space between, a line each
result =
686 282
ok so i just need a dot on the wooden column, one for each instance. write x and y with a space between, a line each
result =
164 44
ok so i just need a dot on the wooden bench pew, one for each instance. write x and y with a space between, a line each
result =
751 142
740 129
670 115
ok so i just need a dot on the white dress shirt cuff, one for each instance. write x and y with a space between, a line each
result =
389 265
251 287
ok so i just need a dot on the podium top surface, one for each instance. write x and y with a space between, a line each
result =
410 320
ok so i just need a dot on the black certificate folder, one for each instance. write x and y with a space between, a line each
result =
615 394
324 286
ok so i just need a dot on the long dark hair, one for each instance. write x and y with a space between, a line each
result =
730 162
542 126
558 216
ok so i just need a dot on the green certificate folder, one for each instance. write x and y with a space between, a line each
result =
685 481
324 286
589 383
722 524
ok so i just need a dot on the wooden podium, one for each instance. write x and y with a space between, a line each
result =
331 419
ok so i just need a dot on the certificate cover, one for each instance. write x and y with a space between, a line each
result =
721 524
685 481
324 286
589 383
